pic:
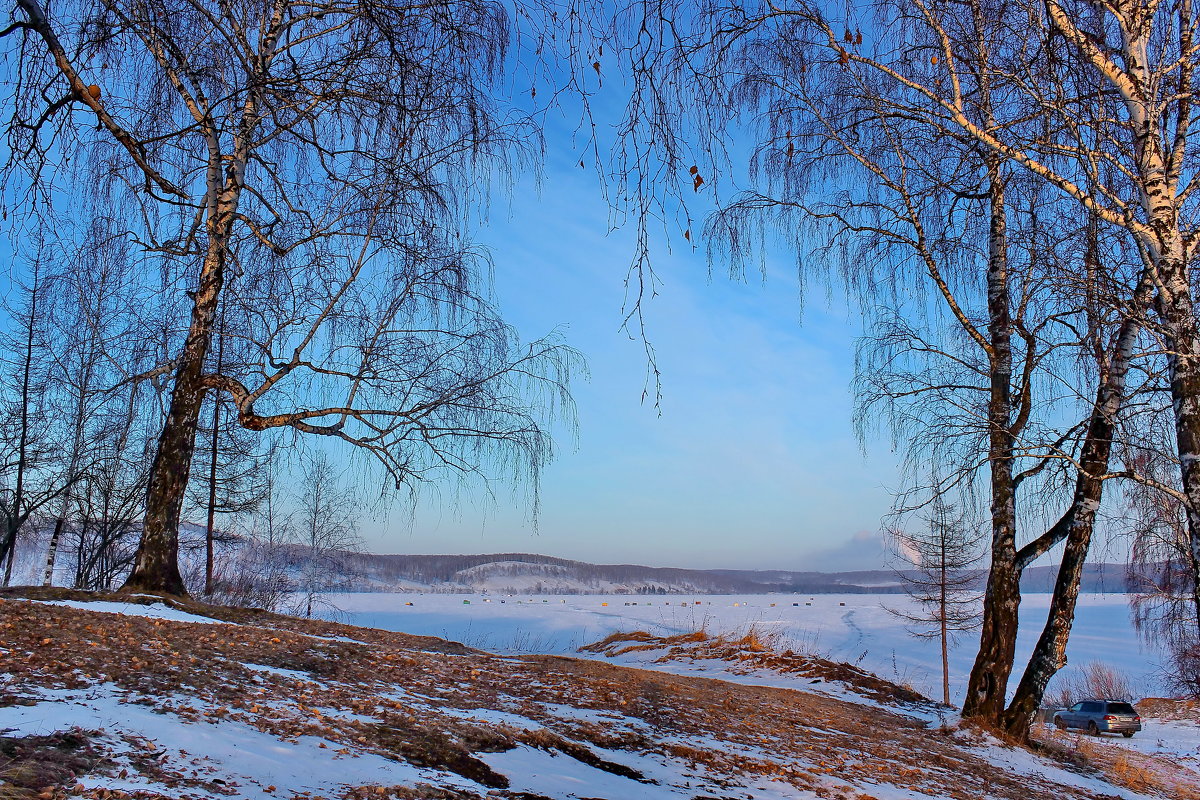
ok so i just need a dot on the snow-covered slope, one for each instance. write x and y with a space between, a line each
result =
154 703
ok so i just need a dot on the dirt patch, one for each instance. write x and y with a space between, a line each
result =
36 766
618 643
243 616
545 740
430 747
1169 708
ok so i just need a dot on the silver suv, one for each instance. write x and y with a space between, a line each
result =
1100 716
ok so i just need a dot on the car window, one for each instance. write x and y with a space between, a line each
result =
1076 707
1120 708
1091 708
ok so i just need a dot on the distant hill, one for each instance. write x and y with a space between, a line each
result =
527 573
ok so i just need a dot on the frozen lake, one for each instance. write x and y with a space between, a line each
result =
856 628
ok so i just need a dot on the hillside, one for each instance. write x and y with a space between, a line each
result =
530 573
125 697
526 573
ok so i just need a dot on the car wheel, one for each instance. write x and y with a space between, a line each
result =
1060 723
1127 734
1092 729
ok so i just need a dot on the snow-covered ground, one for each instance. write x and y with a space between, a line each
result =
151 611
231 756
855 628
1177 740
228 754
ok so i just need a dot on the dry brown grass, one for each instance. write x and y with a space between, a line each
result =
1128 773
617 643
753 650
34 767
1120 766
1170 708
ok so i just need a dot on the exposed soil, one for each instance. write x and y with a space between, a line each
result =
1170 708
32 766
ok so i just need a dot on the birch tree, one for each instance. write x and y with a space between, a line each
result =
312 167
884 143
32 478
93 340
1100 109
326 529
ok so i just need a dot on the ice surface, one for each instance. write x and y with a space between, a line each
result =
856 628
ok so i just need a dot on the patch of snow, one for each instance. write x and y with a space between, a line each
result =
1020 761
238 754
284 673
562 777
154 611
343 639
493 716
601 717
1177 740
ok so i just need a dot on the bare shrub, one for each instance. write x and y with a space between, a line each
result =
1183 670
1093 680
757 639
257 577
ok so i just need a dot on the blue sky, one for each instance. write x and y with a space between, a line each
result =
750 460
752 463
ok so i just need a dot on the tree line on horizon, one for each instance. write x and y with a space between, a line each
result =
244 228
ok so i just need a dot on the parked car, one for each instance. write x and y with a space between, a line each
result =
1100 716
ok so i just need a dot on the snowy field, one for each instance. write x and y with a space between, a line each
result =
855 628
